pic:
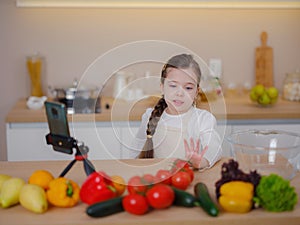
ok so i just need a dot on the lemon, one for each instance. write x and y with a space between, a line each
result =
41 178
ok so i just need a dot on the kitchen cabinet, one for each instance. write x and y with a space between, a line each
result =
105 140
109 138
26 141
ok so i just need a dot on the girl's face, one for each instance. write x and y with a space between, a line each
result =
179 90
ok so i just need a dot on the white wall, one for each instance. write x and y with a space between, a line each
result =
71 39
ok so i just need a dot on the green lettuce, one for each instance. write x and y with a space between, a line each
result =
275 194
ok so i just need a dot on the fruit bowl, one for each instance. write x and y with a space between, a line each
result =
264 96
267 151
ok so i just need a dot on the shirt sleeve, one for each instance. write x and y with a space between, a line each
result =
203 126
141 136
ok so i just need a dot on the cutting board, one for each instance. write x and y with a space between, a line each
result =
264 63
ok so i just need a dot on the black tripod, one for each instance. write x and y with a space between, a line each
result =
67 144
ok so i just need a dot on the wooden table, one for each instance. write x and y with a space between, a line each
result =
126 168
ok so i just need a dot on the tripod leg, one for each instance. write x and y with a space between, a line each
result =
88 167
63 173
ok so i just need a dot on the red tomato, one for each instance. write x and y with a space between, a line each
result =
160 196
190 172
148 179
181 180
164 176
180 164
135 204
136 186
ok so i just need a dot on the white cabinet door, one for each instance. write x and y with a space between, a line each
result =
106 140
129 131
102 139
224 130
27 142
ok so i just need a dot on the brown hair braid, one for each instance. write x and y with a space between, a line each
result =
182 61
159 108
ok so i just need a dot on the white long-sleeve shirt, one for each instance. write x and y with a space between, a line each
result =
196 124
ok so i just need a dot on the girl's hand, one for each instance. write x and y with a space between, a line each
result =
193 154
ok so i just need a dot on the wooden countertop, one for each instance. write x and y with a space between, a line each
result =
173 216
233 108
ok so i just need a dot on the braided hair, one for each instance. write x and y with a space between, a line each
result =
182 61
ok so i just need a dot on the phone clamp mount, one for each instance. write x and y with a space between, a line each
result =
66 145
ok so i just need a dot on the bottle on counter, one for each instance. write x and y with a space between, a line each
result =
34 67
291 87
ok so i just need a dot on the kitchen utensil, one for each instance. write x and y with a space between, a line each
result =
78 100
264 62
124 87
36 102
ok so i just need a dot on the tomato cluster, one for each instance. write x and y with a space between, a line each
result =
144 192
158 196
155 191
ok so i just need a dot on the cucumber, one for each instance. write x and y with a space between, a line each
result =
183 198
105 208
204 200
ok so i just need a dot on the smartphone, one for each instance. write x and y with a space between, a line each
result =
59 127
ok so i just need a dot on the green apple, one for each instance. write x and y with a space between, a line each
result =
259 89
253 96
272 92
264 99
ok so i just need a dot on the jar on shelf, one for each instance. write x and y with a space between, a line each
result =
291 87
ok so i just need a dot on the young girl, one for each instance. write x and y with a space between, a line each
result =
175 128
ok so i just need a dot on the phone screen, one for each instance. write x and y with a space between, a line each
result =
59 135
57 118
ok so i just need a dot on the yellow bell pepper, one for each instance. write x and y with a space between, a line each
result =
236 196
63 192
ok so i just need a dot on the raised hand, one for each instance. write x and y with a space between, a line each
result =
193 154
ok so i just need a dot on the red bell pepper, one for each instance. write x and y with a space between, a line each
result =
96 188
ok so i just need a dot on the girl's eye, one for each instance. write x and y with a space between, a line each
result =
189 88
172 85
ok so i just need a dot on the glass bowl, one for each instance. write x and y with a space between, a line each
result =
267 151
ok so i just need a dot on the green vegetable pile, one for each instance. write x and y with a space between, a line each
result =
275 194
